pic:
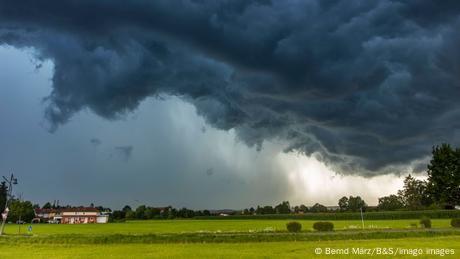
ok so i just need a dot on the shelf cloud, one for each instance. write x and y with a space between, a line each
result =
366 86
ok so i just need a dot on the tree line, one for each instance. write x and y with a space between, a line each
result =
441 190
147 212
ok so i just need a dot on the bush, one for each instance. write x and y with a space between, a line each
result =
455 222
294 226
425 222
323 226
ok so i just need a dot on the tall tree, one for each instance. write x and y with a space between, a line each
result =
130 214
283 208
303 208
356 204
343 203
318 208
47 205
3 194
414 193
126 208
268 210
23 210
140 212
392 202
444 175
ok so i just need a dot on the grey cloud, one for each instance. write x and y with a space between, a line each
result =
124 151
210 171
366 85
95 141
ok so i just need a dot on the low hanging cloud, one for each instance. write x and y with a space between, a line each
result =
366 85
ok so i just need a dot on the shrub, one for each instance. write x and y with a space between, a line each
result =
323 226
425 222
294 226
455 222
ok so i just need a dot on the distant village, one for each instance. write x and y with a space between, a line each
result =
78 215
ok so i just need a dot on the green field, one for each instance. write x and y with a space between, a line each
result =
229 250
226 239
187 226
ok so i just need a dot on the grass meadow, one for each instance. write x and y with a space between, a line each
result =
226 239
227 250
191 225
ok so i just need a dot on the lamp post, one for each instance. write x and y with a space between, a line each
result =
10 182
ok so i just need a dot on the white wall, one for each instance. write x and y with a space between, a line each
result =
102 219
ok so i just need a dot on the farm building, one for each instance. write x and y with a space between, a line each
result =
47 215
79 215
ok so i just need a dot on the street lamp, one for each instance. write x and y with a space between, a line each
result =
9 196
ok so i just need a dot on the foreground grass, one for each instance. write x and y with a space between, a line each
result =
228 237
188 226
226 250
223 239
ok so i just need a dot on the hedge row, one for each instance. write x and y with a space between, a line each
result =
432 214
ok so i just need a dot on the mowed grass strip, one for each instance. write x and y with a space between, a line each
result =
226 250
193 226
238 237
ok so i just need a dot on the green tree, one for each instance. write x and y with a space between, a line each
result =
149 213
414 193
283 208
444 175
3 194
23 210
303 208
268 210
126 208
392 202
118 214
318 208
356 204
130 214
168 213
140 212
343 203
47 205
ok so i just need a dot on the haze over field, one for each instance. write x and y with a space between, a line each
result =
224 104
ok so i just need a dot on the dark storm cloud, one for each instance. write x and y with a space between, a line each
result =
366 84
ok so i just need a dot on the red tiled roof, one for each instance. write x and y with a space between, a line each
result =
40 211
82 209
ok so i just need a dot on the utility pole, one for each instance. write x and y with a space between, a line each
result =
9 196
362 218
20 214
